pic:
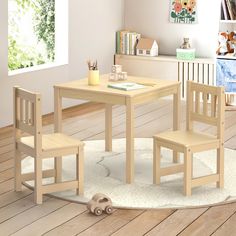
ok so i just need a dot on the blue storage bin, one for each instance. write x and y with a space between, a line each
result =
226 74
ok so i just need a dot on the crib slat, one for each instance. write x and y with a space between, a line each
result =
211 74
190 71
198 71
205 73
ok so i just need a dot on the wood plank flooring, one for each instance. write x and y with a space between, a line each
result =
20 216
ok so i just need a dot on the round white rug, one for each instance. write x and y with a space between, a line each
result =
105 173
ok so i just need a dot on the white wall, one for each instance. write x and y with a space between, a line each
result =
151 18
92 33
92 26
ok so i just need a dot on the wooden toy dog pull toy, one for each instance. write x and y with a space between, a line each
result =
99 203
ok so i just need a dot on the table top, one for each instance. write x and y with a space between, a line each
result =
150 85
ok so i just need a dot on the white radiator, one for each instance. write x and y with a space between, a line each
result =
202 71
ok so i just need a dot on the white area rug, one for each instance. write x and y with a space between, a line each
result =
105 173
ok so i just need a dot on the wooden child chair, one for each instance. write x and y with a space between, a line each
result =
190 141
28 119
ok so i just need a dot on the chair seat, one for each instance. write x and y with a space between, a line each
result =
53 141
186 138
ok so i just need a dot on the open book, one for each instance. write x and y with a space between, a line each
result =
126 86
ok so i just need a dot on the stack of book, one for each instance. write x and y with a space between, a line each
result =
228 9
126 42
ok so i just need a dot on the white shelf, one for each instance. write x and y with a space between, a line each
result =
227 56
228 21
169 58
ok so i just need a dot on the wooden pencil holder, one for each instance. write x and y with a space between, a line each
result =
93 77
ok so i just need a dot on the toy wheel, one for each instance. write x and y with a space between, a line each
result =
109 210
97 211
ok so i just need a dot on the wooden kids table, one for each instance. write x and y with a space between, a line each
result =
154 89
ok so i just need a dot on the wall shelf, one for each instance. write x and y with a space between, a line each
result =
168 58
229 56
228 21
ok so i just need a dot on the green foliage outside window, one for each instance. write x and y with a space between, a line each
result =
45 25
21 56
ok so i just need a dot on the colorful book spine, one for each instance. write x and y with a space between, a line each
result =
122 41
233 7
127 46
137 37
130 43
118 42
228 4
225 10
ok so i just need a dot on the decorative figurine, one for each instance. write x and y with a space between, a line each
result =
147 47
99 203
186 44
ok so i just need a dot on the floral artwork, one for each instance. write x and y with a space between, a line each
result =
183 11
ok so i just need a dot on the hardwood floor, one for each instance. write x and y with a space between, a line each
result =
20 216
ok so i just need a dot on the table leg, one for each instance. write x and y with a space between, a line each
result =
57 128
129 141
108 127
176 118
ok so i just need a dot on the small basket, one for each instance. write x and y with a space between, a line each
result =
185 54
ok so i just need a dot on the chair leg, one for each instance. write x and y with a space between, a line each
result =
187 172
58 169
38 196
220 167
156 162
18 184
80 171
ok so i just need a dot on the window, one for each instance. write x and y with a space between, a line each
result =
140 51
148 52
35 29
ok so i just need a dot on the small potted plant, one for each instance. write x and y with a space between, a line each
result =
93 75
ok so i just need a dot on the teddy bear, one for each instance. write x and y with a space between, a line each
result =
186 44
232 42
224 46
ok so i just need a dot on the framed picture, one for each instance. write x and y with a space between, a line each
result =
183 11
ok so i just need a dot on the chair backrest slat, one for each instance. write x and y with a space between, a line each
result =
197 102
27 115
25 103
213 105
22 108
211 110
205 108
